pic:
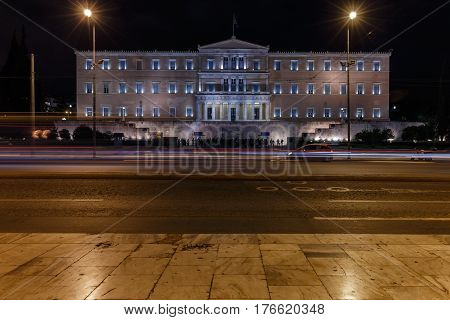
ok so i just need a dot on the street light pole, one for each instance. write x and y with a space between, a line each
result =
88 14
352 16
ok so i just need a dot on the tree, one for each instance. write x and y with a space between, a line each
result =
82 134
64 134
375 136
52 134
418 133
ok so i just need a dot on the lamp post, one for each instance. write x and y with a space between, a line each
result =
88 14
352 16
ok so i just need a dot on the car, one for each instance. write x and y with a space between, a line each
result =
311 152
424 155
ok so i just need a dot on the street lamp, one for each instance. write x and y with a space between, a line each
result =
88 13
352 16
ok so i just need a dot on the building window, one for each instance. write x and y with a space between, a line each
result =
106 87
326 88
376 66
256 113
310 65
277 65
210 64
360 65
233 85
122 112
210 87
241 63
209 113
376 89
233 63
376 113
140 112
139 64
343 65
225 63
327 112
189 64
241 85
88 112
256 65
294 65
294 88
343 113
343 88
106 64
156 64
310 88
189 112
88 87
139 87
226 85
156 112
277 113
327 65
155 87
172 112
189 88
310 113
172 64
122 87
88 64
360 88
172 87
277 88
106 111
294 113
256 87
122 64
359 113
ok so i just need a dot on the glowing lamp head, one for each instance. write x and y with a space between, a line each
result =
87 13
352 15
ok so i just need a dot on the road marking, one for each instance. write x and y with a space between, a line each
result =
296 182
267 189
338 189
51 200
303 189
380 219
387 201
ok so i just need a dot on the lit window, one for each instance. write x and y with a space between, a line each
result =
106 87
327 112
310 113
172 64
172 87
294 88
210 87
241 63
376 66
376 89
139 87
360 65
172 112
88 87
359 113
139 112
327 65
277 65
343 88
256 65
106 111
88 64
310 88
376 113
310 65
277 88
226 85
256 113
106 64
139 64
122 87
233 63
326 88
122 64
209 113
241 85
360 88
156 65
343 113
189 88
122 111
155 87
225 63
294 65
294 113
256 87
277 113
88 111
189 64
343 65
156 112
210 64
189 112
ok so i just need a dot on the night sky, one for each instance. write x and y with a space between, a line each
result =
419 65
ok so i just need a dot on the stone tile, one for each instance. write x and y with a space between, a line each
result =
81 277
128 238
6 247
338 239
43 267
239 251
69 251
441 282
239 266
4 268
54 238
154 251
11 237
102 259
352 287
432 248
115 247
298 293
372 258
194 258
288 238
326 267
291 276
407 251
9 285
180 293
426 239
124 287
218 239
414 293
351 268
239 287
443 254
283 258
428 266
375 239
279 247
23 253
389 276
359 247
187 276
53 293
321 248
142 266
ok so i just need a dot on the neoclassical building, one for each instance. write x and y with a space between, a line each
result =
228 86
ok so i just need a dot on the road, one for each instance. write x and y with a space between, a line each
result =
223 206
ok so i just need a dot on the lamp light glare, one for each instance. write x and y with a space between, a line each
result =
87 13
352 15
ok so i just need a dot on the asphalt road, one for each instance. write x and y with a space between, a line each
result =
223 206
